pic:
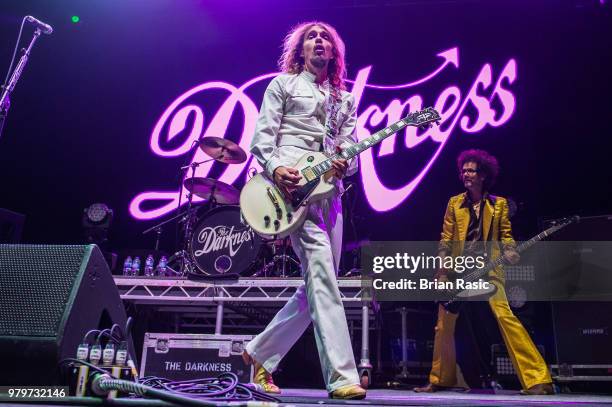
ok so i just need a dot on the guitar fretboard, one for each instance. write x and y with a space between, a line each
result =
521 247
360 147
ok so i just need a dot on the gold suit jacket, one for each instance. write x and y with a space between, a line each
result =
496 227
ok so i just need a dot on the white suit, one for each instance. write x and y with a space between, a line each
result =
291 123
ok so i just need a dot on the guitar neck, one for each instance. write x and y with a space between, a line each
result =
527 244
371 141
357 148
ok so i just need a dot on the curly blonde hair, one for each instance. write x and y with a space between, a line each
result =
291 61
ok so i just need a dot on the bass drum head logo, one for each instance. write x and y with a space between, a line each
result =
222 244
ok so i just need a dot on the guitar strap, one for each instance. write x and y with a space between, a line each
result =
333 102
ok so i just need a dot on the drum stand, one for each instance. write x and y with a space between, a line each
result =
223 151
158 232
186 264
159 228
283 259
187 217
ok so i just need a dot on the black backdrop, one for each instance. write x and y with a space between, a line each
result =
81 117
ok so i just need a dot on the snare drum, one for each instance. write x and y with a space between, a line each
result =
222 244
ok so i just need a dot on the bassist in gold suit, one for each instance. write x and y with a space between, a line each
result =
471 217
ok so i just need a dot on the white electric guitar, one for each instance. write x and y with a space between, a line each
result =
274 214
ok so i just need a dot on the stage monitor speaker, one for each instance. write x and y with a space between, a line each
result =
50 296
583 332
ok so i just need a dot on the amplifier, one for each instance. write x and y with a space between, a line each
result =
583 331
194 356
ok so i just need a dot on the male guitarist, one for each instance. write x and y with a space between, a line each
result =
472 219
306 108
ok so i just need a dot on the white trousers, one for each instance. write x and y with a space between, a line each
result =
318 244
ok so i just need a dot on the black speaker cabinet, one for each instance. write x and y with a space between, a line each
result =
583 329
50 296
583 332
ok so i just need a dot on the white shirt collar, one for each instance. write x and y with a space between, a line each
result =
310 77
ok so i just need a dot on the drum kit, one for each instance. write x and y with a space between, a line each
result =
215 241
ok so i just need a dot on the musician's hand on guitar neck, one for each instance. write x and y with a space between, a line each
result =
511 256
442 274
287 178
340 166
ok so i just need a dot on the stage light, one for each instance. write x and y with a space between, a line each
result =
75 19
517 296
97 212
96 221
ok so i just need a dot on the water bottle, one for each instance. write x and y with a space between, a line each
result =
148 269
127 266
136 266
162 266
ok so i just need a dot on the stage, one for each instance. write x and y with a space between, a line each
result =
378 397
221 195
382 397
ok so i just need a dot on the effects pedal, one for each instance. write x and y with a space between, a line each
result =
81 377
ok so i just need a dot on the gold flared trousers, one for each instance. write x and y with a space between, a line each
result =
526 358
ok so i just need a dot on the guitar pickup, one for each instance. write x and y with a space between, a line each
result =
279 212
308 174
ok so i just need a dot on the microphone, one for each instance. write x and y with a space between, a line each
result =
45 28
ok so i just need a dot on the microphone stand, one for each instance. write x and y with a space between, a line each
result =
159 230
5 101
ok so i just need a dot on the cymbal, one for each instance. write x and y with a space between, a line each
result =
223 150
209 188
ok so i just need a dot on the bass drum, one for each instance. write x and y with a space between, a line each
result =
222 244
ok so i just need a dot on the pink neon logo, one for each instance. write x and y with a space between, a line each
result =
484 91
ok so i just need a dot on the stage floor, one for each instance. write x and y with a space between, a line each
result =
380 397
309 397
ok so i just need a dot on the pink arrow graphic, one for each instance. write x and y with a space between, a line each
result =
451 56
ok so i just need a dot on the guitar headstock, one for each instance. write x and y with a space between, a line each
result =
567 221
561 223
423 118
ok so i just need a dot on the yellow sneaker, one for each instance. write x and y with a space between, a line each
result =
262 377
350 392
